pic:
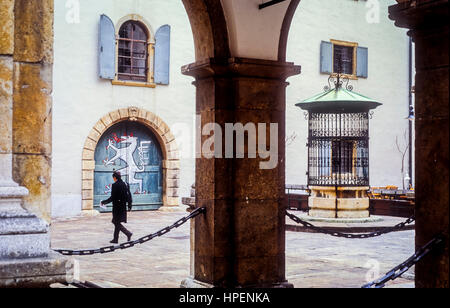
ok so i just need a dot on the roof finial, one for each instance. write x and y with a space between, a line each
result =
340 79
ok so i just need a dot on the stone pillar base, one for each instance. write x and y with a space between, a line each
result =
343 202
25 256
35 272
191 283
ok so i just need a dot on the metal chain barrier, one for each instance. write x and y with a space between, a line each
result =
308 225
379 283
402 268
142 240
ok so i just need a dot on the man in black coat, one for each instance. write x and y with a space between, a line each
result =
119 198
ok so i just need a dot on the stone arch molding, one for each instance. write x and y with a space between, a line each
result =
215 29
167 142
139 18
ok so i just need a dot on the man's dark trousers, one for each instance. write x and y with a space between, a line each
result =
119 227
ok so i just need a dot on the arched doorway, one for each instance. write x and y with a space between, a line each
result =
146 127
133 150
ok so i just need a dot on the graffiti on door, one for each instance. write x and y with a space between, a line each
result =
123 153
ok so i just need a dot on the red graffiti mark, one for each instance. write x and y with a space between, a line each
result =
117 139
107 189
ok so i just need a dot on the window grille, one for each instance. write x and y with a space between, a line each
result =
133 52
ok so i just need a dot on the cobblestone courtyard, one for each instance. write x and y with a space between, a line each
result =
312 259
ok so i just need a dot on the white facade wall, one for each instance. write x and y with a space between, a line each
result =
80 98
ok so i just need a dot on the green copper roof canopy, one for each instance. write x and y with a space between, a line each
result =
339 100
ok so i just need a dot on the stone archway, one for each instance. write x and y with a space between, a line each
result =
209 29
31 56
171 160
286 26
220 74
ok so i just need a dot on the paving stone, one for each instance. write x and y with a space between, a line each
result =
312 259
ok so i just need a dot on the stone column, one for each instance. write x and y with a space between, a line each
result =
32 122
428 21
25 256
6 91
240 241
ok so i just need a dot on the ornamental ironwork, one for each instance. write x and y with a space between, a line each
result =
338 149
338 135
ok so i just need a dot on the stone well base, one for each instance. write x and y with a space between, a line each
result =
340 202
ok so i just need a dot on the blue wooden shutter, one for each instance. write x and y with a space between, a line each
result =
107 48
362 63
326 57
162 55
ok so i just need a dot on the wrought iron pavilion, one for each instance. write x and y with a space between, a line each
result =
338 138
338 142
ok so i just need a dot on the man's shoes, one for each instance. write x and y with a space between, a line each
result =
114 242
129 237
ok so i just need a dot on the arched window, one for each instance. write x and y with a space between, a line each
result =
134 55
133 52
